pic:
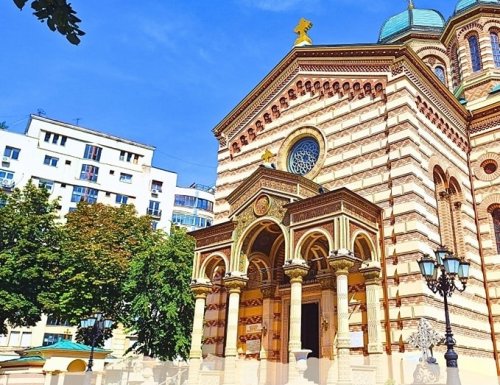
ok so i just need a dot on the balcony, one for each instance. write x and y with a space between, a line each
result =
7 184
155 213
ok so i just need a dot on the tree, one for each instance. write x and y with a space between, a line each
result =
59 16
3 125
98 245
159 302
29 253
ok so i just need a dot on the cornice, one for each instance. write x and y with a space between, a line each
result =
275 175
324 59
207 232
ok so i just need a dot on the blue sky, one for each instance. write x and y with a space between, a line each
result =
165 72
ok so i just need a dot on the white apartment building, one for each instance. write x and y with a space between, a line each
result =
193 206
79 164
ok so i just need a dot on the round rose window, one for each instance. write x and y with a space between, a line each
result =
489 166
303 156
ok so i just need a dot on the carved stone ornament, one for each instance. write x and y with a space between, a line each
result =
201 289
235 283
340 265
371 273
262 205
326 281
295 271
268 291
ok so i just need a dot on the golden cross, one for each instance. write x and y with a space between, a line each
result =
267 156
301 29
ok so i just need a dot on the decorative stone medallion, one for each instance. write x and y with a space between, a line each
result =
262 205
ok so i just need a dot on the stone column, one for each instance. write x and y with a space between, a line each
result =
200 289
371 274
234 283
266 332
295 269
327 323
47 379
341 262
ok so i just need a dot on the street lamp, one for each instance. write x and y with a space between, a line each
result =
96 326
440 274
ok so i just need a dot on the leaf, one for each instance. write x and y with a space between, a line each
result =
20 3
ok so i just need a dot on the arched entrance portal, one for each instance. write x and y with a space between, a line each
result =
263 255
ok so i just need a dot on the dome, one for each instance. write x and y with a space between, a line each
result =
466 4
423 20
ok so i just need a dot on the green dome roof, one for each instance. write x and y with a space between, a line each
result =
425 20
466 4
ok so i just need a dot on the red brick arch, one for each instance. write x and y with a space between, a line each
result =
490 203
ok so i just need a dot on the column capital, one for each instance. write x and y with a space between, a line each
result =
235 283
326 281
268 290
341 261
371 273
201 288
295 269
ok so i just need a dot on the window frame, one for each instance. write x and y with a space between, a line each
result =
92 152
48 160
12 152
89 172
475 53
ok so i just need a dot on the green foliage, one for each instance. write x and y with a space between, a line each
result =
59 15
29 253
159 301
99 242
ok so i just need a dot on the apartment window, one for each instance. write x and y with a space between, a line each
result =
84 194
55 138
126 156
190 220
475 53
50 160
11 152
121 199
156 186
154 209
194 202
92 152
15 338
126 178
57 321
154 225
89 172
46 184
26 339
3 340
52 338
71 209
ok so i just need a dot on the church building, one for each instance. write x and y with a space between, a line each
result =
336 174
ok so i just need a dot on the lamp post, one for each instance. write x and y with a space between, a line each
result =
96 327
440 274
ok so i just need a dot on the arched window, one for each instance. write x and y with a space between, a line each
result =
496 226
495 47
455 67
475 54
439 71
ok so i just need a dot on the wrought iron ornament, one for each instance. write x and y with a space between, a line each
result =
303 156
